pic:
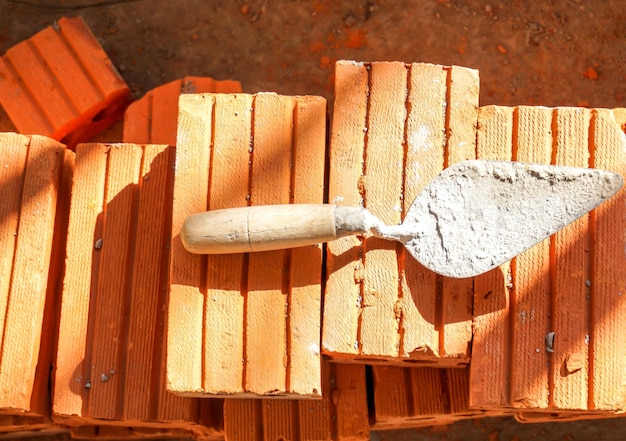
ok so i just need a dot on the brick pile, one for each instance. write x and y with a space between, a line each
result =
110 329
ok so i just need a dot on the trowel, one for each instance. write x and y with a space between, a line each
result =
472 217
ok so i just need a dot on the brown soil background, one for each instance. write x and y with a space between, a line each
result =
551 53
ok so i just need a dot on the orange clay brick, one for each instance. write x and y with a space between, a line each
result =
22 426
420 396
110 350
250 323
121 430
152 119
96 432
341 414
551 417
606 310
395 127
549 326
60 83
32 176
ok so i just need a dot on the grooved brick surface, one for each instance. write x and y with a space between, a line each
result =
395 127
111 351
251 323
549 325
60 83
32 179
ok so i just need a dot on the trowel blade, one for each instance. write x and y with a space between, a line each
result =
476 215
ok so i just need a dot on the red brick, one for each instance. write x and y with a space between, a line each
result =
110 368
33 180
61 84
21 426
395 126
251 323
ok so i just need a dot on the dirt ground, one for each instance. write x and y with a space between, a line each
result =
551 52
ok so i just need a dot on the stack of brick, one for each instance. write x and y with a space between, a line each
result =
35 177
549 325
377 325
127 189
150 339
224 141
61 84
395 127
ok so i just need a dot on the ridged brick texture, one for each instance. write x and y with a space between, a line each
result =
550 324
60 83
341 414
421 396
32 182
152 119
395 127
110 364
250 323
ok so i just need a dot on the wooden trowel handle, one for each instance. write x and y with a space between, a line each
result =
270 227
